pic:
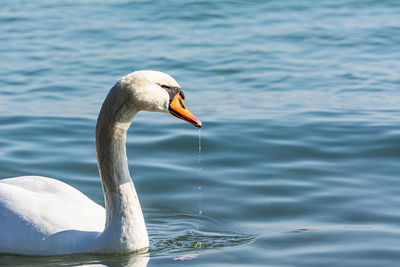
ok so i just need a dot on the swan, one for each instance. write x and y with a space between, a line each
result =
44 216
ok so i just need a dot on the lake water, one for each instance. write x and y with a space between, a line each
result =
300 148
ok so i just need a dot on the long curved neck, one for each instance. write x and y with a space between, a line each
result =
125 229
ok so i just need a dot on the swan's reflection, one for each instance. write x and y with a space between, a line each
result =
123 260
131 260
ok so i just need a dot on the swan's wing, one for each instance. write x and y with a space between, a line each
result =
33 208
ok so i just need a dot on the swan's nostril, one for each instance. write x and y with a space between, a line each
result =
182 105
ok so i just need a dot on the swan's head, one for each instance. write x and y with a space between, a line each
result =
158 92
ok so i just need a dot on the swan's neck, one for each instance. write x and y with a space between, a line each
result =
125 229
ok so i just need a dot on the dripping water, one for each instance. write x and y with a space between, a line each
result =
199 188
199 157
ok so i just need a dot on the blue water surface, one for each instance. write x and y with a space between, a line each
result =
300 148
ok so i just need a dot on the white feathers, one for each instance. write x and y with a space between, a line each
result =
34 209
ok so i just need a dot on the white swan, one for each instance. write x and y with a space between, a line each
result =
43 216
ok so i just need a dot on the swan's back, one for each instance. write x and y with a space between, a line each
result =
42 214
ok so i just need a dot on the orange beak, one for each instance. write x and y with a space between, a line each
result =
178 109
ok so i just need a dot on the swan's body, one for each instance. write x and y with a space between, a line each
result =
40 215
43 216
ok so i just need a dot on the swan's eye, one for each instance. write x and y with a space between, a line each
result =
172 91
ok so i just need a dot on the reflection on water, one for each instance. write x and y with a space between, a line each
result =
77 260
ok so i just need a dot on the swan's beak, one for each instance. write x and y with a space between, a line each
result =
178 109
